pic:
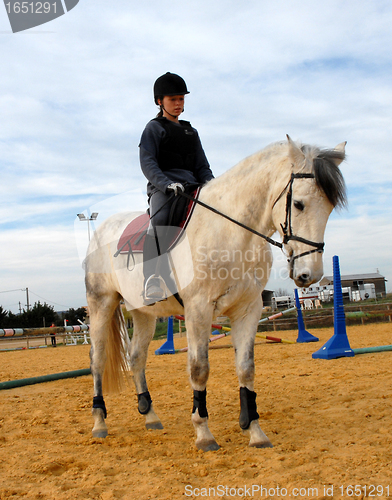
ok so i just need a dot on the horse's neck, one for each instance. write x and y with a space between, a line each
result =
247 191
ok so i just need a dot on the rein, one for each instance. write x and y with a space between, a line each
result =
270 240
286 227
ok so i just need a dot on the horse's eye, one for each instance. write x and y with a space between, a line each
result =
299 205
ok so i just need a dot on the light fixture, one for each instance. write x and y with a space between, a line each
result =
93 216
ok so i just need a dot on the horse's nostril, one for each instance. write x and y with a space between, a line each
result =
304 278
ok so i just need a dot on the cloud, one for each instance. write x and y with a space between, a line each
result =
43 259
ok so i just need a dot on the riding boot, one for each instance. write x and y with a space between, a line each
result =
154 285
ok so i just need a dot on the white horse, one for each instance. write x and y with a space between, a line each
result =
286 187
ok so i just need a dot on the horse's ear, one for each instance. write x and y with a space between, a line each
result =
295 154
341 148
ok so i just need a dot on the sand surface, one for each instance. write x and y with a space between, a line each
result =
330 422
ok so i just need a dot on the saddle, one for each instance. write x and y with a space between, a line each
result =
132 239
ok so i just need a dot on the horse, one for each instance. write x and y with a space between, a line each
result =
287 187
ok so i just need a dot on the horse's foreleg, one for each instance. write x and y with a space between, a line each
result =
143 332
198 332
243 335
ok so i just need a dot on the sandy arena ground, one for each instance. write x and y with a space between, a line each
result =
330 422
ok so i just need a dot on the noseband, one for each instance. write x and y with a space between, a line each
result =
286 227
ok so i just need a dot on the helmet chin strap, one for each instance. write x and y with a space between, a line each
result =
173 116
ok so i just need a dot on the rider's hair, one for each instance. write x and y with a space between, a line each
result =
160 98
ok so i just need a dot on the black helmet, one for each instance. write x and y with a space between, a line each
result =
169 84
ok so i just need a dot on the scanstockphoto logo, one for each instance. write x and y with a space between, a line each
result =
26 15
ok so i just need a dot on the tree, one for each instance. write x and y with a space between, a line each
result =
3 317
11 321
39 315
73 315
127 316
35 317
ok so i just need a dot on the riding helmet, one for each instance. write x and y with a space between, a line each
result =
169 84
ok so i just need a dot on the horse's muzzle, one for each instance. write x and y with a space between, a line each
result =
304 275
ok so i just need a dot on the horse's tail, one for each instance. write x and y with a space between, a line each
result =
116 372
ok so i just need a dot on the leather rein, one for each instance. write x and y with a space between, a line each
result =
286 227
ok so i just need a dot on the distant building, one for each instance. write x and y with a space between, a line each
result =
357 282
283 302
267 297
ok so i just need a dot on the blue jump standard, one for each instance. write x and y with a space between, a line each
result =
168 346
303 335
338 345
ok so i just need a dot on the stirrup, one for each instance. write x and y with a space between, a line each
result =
151 300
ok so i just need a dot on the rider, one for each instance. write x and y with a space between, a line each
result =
171 155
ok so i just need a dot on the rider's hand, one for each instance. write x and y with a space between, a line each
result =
175 186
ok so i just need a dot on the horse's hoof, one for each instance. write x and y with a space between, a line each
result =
207 445
154 426
261 445
100 433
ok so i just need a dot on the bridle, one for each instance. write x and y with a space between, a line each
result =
286 227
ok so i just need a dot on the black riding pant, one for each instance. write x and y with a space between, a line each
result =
158 235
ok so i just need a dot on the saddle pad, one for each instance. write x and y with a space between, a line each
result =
132 239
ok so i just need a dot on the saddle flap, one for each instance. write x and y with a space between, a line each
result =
134 234
132 239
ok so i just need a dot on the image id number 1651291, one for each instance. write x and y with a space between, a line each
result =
31 7
364 490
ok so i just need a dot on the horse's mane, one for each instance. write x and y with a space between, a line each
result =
328 176
323 163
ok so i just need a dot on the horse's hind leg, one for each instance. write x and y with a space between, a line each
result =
243 336
101 310
143 332
198 327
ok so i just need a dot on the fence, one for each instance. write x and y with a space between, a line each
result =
321 318
27 338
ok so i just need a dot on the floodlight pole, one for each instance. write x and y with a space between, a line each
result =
93 216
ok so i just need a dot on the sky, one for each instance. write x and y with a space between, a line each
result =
76 94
